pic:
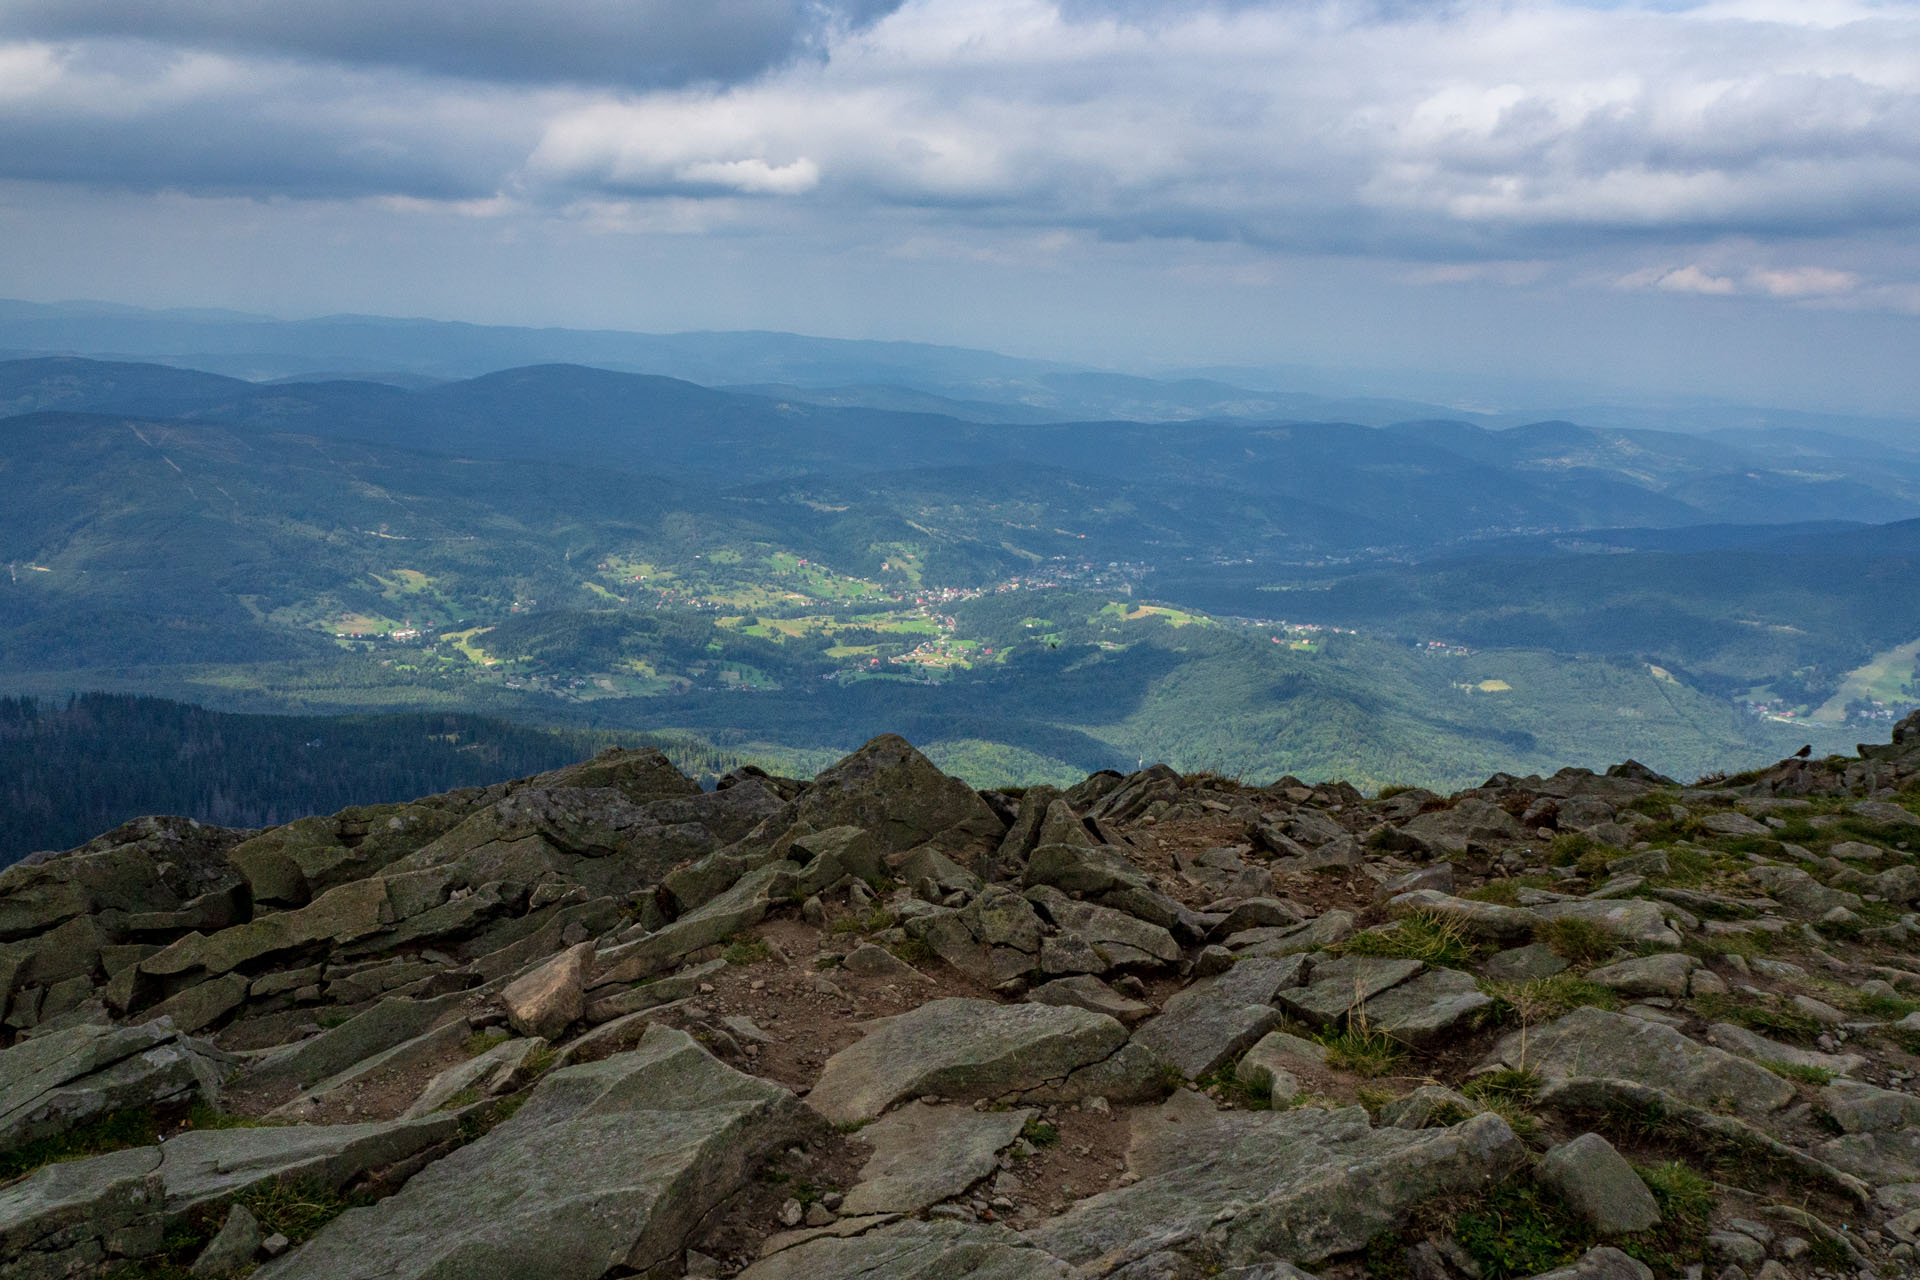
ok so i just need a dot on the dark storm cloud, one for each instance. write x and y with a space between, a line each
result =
631 43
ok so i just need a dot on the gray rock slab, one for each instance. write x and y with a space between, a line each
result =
608 1164
1603 1263
1523 964
1758 1048
1426 1009
1298 1186
616 1002
1338 986
1084 991
923 1155
1279 941
913 1251
744 904
393 1021
1657 975
961 1049
1865 1108
1599 1185
1593 1042
233 1247
1629 919
206 1165
1210 1022
61 1207
1884 1159
51 1083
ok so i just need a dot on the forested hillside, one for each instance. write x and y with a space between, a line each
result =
71 770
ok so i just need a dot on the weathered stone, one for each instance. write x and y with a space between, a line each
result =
1209 1023
878 962
1438 877
1800 892
611 1002
960 1049
427 1046
1336 987
1659 975
1469 822
1863 1108
1534 961
550 999
1426 1009
1603 1263
1084 872
393 1021
922 1155
741 907
1748 1044
1426 1107
206 1166
1884 1159
203 1005
995 937
912 1251
484 1075
1729 823
1305 1185
59 1215
233 1247
1275 943
894 792
1258 913
1086 992
1630 919
1599 1186
1592 1042
1118 939
53 1082
608 1164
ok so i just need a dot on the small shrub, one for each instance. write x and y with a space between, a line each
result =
745 951
1040 1133
1519 1230
913 951
1426 936
1580 942
1570 847
1249 1094
1889 1007
872 920
1523 1086
481 1041
1502 893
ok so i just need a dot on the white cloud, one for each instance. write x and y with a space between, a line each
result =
1460 138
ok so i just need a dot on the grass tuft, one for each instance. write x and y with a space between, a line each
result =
1363 1052
1426 936
1580 942
744 951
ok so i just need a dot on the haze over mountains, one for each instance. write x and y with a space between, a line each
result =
787 571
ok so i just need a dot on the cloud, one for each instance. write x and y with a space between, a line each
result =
630 43
1459 138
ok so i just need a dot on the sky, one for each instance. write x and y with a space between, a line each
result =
1716 199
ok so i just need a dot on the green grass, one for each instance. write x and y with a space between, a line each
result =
1580 942
481 1041
1544 998
872 920
747 951
1040 1133
1891 1008
1777 1018
1798 1072
1363 1052
1519 1229
1247 1094
136 1127
1426 936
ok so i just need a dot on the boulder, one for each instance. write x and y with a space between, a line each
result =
961 1049
53 1082
1659 975
1298 1186
912 1251
1428 1106
391 1022
1603 1263
611 1164
1749 1044
922 1155
1117 939
1214 1020
57 1221
1800 893
895 793
1888 1158
740 907
995 937
1863 1108
1599 1186
1469 822
547 1001
232 1247
1279 941
1593 1042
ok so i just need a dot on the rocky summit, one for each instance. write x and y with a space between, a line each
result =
602 1022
